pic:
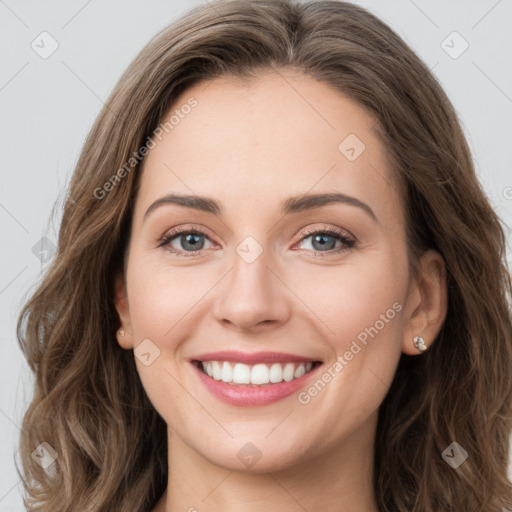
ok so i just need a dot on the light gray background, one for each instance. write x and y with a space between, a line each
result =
48 105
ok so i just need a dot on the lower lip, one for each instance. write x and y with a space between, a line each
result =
243 395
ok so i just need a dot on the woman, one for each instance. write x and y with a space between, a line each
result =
278 286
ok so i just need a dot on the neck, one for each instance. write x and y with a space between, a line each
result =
338 478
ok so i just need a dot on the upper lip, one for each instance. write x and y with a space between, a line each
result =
252 358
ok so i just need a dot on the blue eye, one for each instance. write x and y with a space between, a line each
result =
326 239
192 242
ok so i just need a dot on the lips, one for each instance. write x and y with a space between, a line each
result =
259 378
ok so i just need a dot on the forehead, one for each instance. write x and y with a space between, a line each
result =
278 135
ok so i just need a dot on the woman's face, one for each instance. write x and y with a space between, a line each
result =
266 269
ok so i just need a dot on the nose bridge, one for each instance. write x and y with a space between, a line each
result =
252 294
250 274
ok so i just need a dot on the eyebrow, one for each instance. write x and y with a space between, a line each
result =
288 206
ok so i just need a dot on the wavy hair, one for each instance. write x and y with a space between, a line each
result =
89 403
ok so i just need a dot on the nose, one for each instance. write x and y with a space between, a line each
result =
252 298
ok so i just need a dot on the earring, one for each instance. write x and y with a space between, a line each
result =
419 343
121 332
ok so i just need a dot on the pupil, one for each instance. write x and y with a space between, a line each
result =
192 241
320 239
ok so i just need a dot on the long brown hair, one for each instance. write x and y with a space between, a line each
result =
89 404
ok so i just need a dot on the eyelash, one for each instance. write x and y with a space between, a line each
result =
348 242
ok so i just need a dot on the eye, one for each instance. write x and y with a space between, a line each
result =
192 241
323 241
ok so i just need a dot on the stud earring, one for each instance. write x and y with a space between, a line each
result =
419 343
121 332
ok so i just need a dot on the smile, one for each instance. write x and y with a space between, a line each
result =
256 375
253 379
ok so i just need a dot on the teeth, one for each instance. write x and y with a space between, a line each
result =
216 370
300 371
276 373
258 374
288 372
241 374
227 372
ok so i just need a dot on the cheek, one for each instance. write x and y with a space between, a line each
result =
358 310
359 315
358 300
163 298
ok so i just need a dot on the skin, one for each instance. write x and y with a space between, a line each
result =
250 146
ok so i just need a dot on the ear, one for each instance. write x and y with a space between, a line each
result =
123 310
426 304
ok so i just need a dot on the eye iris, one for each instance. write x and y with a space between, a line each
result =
323 244
188 240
